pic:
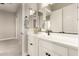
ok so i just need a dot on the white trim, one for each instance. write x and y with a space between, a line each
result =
23 11
7 38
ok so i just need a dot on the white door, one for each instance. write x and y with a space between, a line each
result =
56 21
70 19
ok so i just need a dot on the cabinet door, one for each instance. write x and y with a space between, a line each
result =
45 48
53 49
56 54
70 18
45 52
33 46
41 51
73 52
56 21
59 50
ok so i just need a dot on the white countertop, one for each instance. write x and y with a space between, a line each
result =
66 39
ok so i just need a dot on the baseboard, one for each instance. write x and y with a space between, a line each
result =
7 38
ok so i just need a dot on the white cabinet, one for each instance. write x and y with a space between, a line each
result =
42 47
60 50
73 52
41 51
45 48
70 18
45 44
51 48
56 21
56 54
32 46
45 51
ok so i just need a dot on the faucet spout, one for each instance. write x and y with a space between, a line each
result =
48 32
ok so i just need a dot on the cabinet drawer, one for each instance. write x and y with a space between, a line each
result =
45 52
41 51
56 54
45 44
58 49
32 40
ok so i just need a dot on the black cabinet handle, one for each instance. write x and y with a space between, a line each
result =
28 55
31 44
47 54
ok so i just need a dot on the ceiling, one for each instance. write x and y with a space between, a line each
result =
9 7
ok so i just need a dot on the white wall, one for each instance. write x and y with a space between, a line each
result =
56 21
32 5
7 25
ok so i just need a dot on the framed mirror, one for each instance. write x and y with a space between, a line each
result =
44 17
32 18
59 18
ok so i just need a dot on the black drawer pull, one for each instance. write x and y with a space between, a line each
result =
31 44
47 54
28 55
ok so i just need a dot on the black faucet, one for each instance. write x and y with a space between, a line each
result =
48 32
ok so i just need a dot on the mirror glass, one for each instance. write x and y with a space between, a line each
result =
57 17
44 17
26 22
30 22
32 18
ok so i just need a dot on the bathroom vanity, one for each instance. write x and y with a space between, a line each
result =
63 24
55 44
